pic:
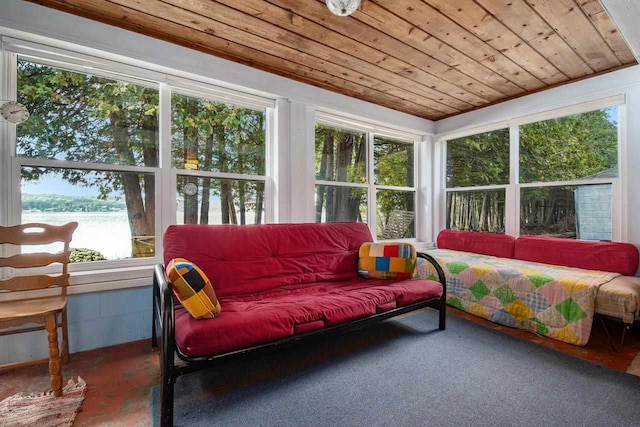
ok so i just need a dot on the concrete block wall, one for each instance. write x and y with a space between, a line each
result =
97 319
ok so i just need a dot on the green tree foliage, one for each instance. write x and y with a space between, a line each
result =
85 118
58 203
341 156
394 166
216 137
567 148
85 255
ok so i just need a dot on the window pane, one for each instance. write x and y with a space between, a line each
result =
114 210
341 155
216 137
393 162
219 201
85 118
476 210
395 214
575 212
341 204
481 159
582 146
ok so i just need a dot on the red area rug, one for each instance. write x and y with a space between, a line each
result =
43 409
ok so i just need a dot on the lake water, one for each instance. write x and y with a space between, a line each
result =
106 232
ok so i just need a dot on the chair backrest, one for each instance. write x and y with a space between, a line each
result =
36 234
398 226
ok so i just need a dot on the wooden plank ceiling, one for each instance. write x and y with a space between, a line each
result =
428 58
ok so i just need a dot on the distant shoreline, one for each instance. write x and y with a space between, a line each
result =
52 203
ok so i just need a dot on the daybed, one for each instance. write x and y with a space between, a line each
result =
276 284
550 286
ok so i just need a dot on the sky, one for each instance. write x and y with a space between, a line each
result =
51 184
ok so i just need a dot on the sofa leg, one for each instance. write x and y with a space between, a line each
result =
616 347
166 402
443 315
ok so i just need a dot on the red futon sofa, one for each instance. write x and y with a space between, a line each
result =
276 283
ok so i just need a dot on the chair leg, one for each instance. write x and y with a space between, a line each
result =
54 354
65 337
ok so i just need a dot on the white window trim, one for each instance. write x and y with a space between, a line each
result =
512 190
110 68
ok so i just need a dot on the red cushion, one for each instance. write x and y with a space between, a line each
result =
271 315
500 245
605 256
241 259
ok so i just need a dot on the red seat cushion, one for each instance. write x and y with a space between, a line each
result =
500 245
270 315
605 256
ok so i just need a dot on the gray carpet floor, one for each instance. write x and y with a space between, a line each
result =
407 373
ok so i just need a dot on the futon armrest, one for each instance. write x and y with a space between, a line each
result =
441 277
163 309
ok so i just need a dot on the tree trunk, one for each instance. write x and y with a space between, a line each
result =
241 198
341 202
326 170
355 198
206 182
131 183
190 141
259 202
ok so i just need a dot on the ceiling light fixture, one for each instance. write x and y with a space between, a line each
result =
343 7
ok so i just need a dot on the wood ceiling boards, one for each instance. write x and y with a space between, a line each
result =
428 58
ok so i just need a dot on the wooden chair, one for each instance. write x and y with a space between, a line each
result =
27 308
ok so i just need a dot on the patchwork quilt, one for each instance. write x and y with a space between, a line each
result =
550 300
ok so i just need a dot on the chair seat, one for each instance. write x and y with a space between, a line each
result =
31 307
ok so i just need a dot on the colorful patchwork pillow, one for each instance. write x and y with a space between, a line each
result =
387 260
193 289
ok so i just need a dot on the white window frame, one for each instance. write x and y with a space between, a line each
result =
371 131
125 273
512 189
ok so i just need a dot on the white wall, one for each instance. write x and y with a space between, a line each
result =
624 82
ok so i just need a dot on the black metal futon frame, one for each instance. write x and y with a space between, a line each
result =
171 369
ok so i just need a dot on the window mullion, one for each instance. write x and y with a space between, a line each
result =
512 196
165 196
371 199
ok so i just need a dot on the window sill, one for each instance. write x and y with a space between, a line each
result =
96 281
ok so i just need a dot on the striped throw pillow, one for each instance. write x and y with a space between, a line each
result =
387 260
193 289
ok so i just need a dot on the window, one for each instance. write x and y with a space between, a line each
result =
341 159
394 187
365 177
89 153
219 151
480 160
576 150
564 181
